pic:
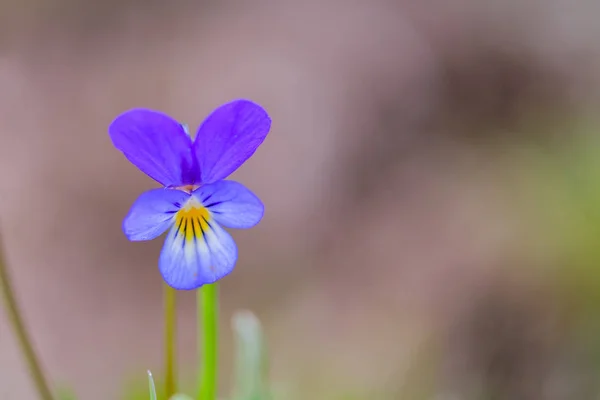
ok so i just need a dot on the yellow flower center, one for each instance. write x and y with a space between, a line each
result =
192 220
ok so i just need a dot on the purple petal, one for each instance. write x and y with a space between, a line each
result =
231 204
156 144
153 213
228 137
197 251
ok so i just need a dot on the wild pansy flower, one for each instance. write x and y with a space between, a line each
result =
196 201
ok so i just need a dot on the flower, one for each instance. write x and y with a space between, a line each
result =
196 201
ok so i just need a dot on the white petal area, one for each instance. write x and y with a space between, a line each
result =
197 251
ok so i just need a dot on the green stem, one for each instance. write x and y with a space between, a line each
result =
208 309
14 315
169 295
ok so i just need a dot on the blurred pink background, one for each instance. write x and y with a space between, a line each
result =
413 245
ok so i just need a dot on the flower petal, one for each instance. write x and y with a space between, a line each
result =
228 137
231 204
197 251
153 213
156 144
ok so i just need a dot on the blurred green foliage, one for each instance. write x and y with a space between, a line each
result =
562 185
251 366
64 393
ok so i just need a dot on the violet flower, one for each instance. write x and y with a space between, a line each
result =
195 202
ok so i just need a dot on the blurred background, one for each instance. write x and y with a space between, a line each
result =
431 182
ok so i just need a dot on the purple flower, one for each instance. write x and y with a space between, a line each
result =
196 202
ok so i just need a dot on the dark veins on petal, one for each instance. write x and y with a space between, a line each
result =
179 227
185 228
194 231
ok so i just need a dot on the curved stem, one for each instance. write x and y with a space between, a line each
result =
208 309
14 316
170 305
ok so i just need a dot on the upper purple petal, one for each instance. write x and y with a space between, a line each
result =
156 144
153 213
228 137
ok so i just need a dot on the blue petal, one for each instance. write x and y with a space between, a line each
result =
231 204
228 137
153 213
156 144
196 252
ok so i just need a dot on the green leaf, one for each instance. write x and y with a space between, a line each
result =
152 387
181 396
251 365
